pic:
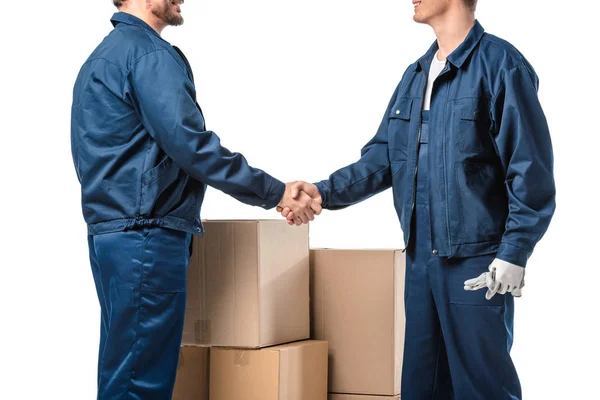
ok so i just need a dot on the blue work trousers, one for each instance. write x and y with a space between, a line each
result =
140 278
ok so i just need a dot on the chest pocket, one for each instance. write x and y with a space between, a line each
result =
399 124
472 127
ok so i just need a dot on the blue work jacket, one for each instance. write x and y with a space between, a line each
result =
141 150
490 163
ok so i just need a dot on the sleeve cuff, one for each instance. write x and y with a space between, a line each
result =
274 195
513 254
324 191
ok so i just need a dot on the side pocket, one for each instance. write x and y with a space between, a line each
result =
156 188
156 172
165 260
463 269
482 204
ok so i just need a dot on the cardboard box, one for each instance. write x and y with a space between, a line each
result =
192 374
357 305
334 396
295 371
248 285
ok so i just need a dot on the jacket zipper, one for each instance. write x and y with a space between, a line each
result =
414 199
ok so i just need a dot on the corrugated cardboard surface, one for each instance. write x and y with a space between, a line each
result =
295 371
357 305
284 303
192 374
248 285
333 396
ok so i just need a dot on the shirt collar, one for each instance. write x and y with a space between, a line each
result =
461 53
123 17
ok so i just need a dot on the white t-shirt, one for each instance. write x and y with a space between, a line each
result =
436 66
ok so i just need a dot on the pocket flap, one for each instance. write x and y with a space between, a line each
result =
402 109
469 113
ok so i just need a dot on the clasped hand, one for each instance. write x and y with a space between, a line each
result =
300 203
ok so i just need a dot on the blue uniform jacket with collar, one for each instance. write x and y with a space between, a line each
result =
139 143
490 163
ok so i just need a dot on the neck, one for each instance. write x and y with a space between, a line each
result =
145 14
451 29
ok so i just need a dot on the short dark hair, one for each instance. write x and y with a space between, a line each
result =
470 3
118 3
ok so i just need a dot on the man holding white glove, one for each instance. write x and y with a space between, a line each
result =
465 146
503 277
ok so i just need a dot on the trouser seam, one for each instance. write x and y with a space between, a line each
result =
101 292
146 238
102 306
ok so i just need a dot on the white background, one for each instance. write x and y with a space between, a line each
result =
298 88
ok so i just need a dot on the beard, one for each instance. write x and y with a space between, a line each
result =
163 11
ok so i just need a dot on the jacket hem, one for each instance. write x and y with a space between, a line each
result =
123 224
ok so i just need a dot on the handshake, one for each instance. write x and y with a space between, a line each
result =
300 203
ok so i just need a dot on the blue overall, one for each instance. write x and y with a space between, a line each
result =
457 343
140 278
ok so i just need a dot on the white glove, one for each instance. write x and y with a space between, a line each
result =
503 277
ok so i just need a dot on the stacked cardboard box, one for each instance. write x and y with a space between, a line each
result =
248 295
248 301
357 306
192 374
294 371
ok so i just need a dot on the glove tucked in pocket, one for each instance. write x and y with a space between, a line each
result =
472 269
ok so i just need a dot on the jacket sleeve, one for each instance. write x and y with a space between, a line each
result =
523 142
165 99
368 176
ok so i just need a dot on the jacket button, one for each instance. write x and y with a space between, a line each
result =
397 112
263 205
198 229
435 252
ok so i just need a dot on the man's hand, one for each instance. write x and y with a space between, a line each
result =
502 277
300 206
300 190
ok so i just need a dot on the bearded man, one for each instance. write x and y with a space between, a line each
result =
143 158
